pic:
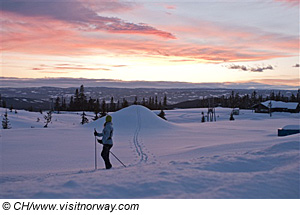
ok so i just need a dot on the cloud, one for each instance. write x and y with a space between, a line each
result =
297 65
71 67
250 69
76 12
290 2
78 29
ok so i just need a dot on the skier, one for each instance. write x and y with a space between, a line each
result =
107 142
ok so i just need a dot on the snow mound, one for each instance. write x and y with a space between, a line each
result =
132 117
291 127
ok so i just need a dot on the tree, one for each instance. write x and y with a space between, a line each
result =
144 102
76 105
57 104
231 117
84 120
5 121
3 103
125 103
162 115
71 104
48 118
63 104
135 100
82 98
203 117
96 109
165 101
103 109
112 104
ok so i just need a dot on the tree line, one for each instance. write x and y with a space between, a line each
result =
247 101
80 102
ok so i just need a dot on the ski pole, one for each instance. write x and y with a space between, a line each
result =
117 158
95 152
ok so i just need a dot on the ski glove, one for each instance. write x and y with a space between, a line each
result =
95 133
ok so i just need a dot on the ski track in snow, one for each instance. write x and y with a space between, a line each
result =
138 147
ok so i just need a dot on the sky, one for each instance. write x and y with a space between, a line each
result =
223 41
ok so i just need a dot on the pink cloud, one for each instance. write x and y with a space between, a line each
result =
290 2
52 36
84 16
170 7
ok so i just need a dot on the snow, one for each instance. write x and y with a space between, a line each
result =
178 158
292 127
280 104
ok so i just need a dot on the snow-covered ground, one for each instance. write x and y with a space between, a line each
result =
178 158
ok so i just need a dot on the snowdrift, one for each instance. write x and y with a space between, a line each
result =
132 117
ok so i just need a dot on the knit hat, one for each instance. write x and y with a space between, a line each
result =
108 118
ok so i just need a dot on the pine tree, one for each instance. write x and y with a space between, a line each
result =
71 104
135 100
48 118
203 117
57 104
112 104
231 117
118 105
63 104
84 120
96 109
165 101
125 103
82 98
76 100
144 102
3 103
103 109
5 121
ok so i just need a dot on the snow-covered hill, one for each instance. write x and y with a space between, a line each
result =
178 158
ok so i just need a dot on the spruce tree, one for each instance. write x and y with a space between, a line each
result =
231 117
103 109
96 109
57 104
82 98
112 104
135 100
5 121
76 100
48 118
125 103
3 103
144 102
203 117
84 120
165 101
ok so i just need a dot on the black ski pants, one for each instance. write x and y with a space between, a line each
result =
105 155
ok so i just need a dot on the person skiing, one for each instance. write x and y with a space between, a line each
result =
107 142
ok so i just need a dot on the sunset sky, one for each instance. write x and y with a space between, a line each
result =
188 41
